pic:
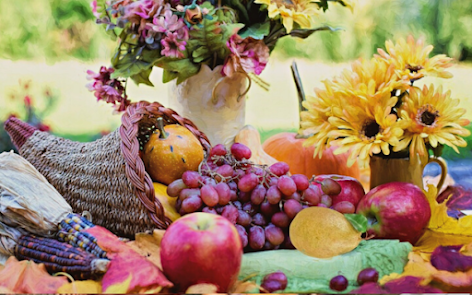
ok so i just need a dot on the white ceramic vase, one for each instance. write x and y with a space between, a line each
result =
214 103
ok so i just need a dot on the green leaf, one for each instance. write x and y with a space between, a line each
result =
358 221
168 76
257 31
301 33
134 62
142 77
181 68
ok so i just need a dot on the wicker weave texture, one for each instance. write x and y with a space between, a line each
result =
91 177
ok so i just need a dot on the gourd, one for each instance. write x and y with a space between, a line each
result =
288 147
250 137
170 151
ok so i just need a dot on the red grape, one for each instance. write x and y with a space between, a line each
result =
330 187
191 204
178 204
287 244
345 207
273 181
209 195
242 234
225 170
286 185
218 150
250 208
273 195
256 237
238 205
279 168
280 219
208 180
325 199
338 283
219 209
232 185
277 276
244 218
240 151
301 181
191 179
322 205
224 195
175 187
248 182
238 173
368 275
187 192
244 197
233 195
312 195
231 213
268 209
274 235
258 194
271 286
258 219
291 208
295 196
269 246
209 210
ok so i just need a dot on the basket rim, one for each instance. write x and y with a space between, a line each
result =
135 114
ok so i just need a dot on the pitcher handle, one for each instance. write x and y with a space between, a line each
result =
442 163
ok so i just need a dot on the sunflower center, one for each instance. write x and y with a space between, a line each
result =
414 69
427 115
370 129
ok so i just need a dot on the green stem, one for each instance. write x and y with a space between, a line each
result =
160 126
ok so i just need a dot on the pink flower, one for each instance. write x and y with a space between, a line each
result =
168 22
249 55
172 46
108 89
93 5
145 9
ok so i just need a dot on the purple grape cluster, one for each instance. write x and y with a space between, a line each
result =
260 200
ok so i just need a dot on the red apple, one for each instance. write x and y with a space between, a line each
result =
351 189
201 248
396 210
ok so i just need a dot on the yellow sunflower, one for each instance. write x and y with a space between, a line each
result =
363 134
431 117
411 59
314 121
301 12
370 80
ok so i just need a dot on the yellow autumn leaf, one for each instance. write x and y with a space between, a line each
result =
167 202
432 239
148 245
441 222
417 267
453 281
202 289
81 287
119 288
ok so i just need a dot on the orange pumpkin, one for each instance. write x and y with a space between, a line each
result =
286 147
170 151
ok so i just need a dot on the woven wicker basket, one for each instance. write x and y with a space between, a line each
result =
106 177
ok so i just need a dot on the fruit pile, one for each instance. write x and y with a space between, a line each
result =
260 200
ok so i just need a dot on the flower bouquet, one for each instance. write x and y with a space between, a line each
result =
226 42
375 109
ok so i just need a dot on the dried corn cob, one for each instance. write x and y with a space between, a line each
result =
60 257
71 230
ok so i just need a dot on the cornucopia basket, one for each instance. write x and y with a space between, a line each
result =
107 177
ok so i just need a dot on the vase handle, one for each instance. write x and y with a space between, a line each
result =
442 163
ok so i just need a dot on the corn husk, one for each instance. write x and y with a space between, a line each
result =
27 200
8 240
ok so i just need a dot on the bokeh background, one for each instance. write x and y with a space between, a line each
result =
46 47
